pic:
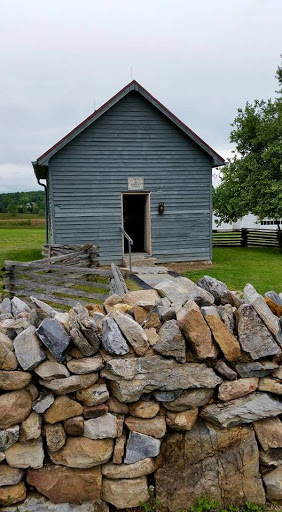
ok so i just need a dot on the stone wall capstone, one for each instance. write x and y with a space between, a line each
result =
177 387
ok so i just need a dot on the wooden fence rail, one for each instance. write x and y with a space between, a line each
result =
246 238
61 285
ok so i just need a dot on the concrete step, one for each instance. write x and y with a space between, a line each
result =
139 260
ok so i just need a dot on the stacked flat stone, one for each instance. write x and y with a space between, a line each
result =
182 382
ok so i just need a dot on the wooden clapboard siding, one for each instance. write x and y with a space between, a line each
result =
133 138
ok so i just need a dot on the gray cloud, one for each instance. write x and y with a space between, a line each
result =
201 59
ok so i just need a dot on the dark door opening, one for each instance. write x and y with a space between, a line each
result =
134 221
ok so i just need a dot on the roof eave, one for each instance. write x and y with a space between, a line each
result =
40 171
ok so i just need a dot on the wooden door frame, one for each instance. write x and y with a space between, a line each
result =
147 220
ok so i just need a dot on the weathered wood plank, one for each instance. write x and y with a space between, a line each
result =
32 286
59 268
64 301
53 278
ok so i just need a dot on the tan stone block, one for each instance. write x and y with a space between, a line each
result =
224 338
142 409
62 409
237 388
184 420
67 485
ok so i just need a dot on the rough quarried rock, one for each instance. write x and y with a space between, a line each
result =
218 289
28 349
225 370
66 485
271 458
167 396
270 385
220 463
85 365
182 420
141 468
254 337
119 449
181 289
251 408
112 339
155 427
62 409
144 409
10 476
12 380
81 452
114 405
171 343
18 306
94 395
6 307
237 389
269 433
195 329
54 337
103 427
256 368
14 408
143 298
224 338
50 370
271 321
189 400
95 411
8 360
273 484
74 426
226 313
133 332
55 436
11 494
140 446
126 493
84 331
26 455
43 402
9 437
149 374
31 427
69 384
44 307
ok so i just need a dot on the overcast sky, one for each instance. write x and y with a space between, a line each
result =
201 58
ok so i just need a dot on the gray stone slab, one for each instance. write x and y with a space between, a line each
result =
54 337
140 446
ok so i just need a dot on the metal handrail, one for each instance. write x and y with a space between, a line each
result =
130 243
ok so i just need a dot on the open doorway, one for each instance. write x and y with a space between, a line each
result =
136 221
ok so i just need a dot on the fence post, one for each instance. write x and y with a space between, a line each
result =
244 237
279 238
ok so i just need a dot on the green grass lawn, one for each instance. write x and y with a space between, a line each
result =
237 266
20 244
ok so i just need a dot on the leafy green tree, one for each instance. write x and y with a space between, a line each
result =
12 209
252 179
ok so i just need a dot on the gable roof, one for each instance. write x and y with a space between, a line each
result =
41 164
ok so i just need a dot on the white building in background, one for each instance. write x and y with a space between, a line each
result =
249 221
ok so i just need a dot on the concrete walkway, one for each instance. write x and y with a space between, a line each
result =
151 275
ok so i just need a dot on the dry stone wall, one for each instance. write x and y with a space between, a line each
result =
177 387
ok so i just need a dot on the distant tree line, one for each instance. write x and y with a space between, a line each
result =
16 203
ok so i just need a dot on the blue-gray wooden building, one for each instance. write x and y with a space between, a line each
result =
131 165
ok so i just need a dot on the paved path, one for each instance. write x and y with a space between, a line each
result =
152 275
